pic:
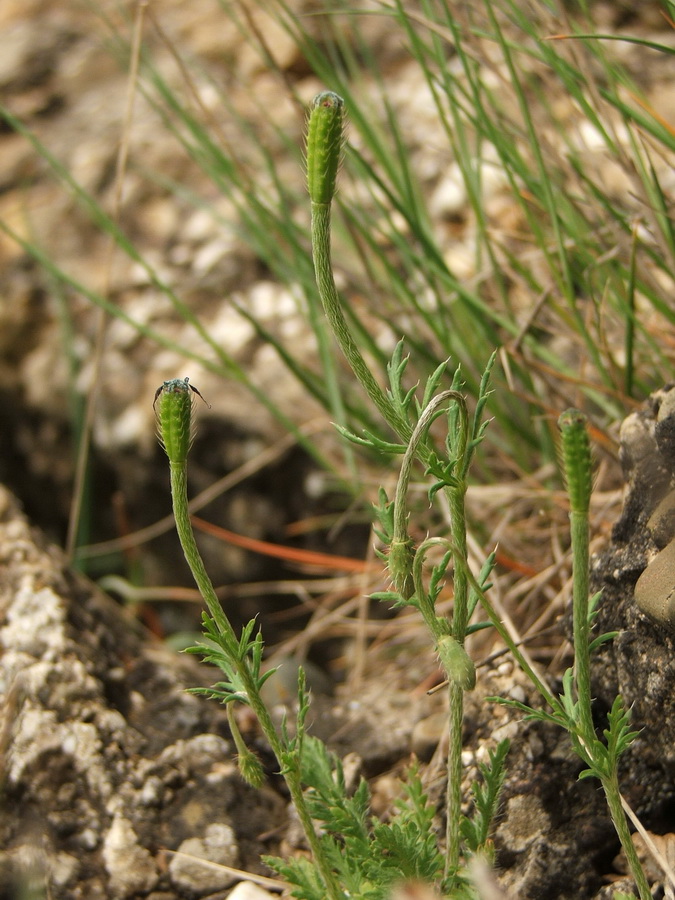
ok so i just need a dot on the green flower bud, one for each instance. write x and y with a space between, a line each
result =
400 561
576 458
175 427
457 663
251 769
325 130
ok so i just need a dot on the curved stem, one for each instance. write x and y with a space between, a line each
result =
413 450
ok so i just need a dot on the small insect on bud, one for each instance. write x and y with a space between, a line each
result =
325 130
175 427
457 663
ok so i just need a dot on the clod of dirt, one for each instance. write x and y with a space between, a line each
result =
637 577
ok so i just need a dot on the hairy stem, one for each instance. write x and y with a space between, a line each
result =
610 786
577 463
456 495
454 768
179 497
323 269
459 668
580 536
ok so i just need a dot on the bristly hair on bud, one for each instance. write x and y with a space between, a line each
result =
251 769
577 462
325 139
400 560
458 665
175 423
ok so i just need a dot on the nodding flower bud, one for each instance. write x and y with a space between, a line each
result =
576 458
456 662
175 427
325 130
251 769
400 562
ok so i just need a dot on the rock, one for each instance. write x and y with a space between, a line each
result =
427 733
131 867
637 575
661 523
106 760
655 588
219 846
246 890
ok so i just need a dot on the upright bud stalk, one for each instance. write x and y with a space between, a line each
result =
325 138
577 463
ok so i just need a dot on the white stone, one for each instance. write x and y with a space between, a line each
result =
130 866
198 864
450 197
246 890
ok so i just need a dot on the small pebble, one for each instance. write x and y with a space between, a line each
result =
246 890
